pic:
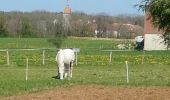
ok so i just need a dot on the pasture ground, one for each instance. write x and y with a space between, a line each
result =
97 93
94 78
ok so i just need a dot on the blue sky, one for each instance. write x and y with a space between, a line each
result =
111 7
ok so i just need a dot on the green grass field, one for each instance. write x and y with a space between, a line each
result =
93 66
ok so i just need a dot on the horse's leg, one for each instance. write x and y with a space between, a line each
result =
61 76
61 71
66 70
71 69
57 73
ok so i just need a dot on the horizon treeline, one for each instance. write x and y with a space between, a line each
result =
50 24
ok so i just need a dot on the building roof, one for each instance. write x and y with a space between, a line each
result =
127 28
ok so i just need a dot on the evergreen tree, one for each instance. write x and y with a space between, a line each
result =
3 30
26 28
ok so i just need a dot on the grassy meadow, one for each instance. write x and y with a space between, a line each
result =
93 66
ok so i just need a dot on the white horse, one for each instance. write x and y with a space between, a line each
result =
65 59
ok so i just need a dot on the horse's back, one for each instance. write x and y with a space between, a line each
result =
68 55
65 55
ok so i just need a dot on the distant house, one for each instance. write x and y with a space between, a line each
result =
153 37
126 30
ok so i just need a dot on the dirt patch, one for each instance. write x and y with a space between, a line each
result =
97 93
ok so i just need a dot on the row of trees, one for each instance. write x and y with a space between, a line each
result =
48 24
22 28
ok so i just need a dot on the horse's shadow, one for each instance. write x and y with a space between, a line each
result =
56 77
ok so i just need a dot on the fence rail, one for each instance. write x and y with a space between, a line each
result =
42 50
28 49
42 56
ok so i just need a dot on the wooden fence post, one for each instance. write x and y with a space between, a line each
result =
127 72
43 60
76 58
110 60
7 56
26 70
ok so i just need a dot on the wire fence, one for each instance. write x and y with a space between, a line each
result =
29 58
88 56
